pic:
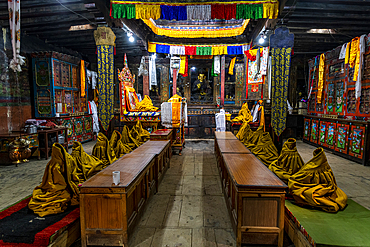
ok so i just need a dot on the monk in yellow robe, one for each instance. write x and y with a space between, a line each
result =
244 132
104 151
57 190
127 139
314 185
87 165
289 161
138 133
116 143
253 138
265 149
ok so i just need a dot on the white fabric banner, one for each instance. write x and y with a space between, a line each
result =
15 34
343 50
199 12
152 73
217 65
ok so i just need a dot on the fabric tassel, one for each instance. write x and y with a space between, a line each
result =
147 12
204 51
219 50
270 10
123 11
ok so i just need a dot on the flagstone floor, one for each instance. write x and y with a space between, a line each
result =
189 209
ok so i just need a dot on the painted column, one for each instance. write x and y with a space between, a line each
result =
146 85
222 96
174 80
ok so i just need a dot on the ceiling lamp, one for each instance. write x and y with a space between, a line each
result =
131 37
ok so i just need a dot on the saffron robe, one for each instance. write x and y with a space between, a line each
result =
265 149
104 151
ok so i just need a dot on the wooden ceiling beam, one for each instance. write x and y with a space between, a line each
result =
326 7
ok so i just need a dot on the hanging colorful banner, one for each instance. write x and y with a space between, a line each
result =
197 31
15 34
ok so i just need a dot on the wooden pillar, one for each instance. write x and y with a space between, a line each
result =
174 80
145 85
222 96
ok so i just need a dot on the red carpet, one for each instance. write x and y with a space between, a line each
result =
21 227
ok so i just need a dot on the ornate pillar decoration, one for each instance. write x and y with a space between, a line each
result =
105 41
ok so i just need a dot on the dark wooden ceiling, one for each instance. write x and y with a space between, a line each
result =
347 19
50 20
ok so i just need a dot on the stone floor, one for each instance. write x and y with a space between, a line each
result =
189 208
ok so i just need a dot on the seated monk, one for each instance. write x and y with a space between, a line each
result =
314 185
244 132
265 149
104 151
87 165
138 133
128 141
289 161
57 190
116 144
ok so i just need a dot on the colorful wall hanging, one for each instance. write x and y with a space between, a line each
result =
207 50
197 32
281 43
180 10
104 39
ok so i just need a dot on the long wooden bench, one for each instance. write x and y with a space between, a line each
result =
108 212
254 195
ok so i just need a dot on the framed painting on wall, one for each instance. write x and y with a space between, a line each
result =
314 131
356 143
322 133
330 135
342 138
307 129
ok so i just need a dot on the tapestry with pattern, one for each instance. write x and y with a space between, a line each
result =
106 84
280 68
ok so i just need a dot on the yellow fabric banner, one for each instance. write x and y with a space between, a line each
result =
83 78
354 49
320 85
147 12
231 66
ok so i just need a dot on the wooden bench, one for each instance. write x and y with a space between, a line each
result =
109 212
254 195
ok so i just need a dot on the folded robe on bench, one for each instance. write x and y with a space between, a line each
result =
253 138
314 185
289 161
244 133
265 149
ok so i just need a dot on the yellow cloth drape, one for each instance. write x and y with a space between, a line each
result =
57 190
270 10
254 52
219 50
253 138
314 185
262 118
146 12
357 63
145 104
320 85
117 145
231 66
139 134
182 65
104 151
152 47
87 165
355 44
83 78
289 161
128 140
244 132
348 52
265 150
244 115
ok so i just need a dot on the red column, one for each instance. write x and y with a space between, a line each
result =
222 96
174 80
145 85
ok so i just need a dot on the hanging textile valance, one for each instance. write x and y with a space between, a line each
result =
197 32
202 50
179 10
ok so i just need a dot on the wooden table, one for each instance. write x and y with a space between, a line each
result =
161 134
163 152
46 132
225 135
255 199
109 212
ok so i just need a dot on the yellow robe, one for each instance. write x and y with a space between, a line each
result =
265 150
138 133
127 139
253 138
289 161
57 190
244 132
104 151
87 165
244 115
314 185
145 104
117 145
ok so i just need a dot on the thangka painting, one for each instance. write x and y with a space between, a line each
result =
307 125
356 143
339 97
314 130
330 135
330 98
322 132
342 138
